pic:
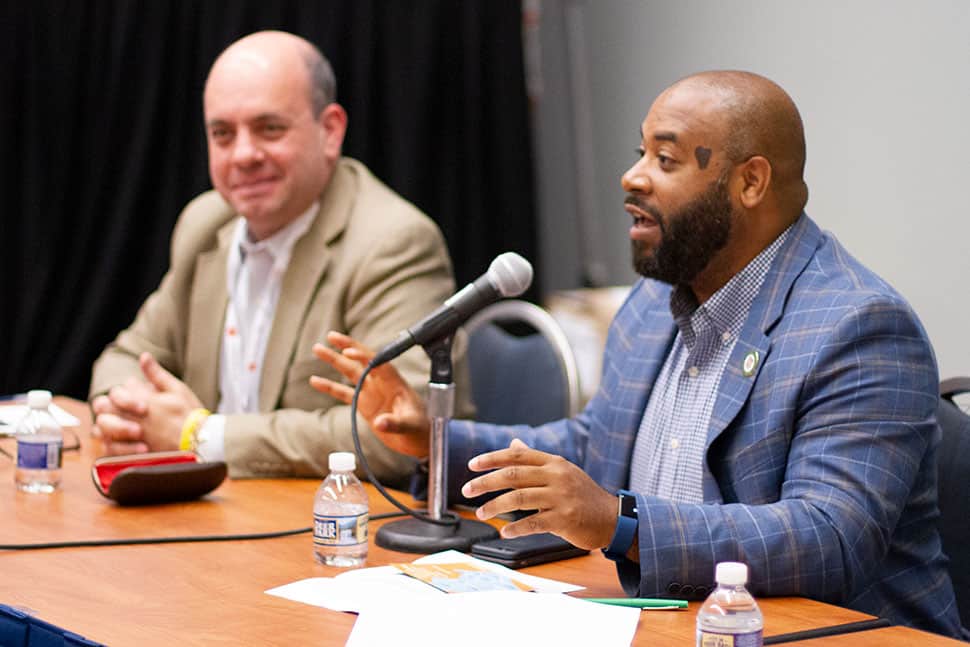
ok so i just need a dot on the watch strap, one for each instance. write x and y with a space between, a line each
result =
626 527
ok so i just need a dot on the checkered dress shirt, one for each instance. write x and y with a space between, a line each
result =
669 450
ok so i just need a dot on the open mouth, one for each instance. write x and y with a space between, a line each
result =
645 226
642 221
641 218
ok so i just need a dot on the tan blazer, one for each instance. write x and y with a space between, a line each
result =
370 265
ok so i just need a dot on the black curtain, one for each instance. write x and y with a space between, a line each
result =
102 141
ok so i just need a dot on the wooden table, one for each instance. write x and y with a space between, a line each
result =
212 593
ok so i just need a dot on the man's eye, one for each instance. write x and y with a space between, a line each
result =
665 161
274 129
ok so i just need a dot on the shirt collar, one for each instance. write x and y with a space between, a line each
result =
279 245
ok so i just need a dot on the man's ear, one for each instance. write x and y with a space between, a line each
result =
754 176
333 119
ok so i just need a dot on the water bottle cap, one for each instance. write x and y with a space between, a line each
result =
342 462
38 399
731 573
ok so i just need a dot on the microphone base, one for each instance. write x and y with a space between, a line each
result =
415 536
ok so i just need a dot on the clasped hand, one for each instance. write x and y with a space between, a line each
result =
143 415
568 502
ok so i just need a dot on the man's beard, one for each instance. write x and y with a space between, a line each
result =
689 238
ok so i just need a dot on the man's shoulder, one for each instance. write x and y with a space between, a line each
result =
835 275
199 223
837 295
377 204
207 211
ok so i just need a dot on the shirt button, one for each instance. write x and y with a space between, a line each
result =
726 337
693 371
252 366
674 444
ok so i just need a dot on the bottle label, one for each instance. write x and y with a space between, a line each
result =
338 530
712 639
39 456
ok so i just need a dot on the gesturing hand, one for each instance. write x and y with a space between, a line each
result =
569 503
394 411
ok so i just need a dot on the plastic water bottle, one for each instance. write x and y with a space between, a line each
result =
340 515
40 445
730 617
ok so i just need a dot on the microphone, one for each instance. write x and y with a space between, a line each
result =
509 275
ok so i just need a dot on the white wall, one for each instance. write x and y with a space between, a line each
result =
884 90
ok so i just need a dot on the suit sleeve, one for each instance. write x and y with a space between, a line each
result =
159 326
862 432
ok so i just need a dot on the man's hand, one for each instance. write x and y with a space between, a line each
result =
394 411
167 407
118 416
141 416
569 503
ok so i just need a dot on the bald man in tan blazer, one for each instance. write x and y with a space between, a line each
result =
369 264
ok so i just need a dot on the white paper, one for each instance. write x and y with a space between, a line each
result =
385 586
506 618
353 594
11 414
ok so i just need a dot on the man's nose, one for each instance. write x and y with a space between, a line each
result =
636 178
246 150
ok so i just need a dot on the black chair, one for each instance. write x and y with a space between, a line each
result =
522 368
953 469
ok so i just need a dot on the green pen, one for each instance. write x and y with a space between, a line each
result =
641 603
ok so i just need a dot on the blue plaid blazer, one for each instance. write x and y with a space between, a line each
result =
820 468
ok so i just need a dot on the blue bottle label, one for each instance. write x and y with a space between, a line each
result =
39 456
713 639
337 530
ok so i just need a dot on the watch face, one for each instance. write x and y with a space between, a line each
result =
628 505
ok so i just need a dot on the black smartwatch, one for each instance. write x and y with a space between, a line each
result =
626 527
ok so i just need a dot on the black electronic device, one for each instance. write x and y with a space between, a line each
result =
528 550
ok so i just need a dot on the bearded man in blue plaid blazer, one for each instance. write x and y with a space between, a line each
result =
764 398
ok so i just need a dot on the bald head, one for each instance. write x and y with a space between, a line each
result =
273 129
265 49
758 118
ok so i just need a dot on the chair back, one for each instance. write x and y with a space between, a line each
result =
954 496
522 368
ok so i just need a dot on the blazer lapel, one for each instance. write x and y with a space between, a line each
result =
645 333
753 345
308 265
207 314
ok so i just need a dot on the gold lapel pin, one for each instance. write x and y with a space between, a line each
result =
750 363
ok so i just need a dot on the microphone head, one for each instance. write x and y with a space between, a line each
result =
510 274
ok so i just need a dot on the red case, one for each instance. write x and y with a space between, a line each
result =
158 477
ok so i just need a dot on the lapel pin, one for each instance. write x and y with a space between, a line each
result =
750 363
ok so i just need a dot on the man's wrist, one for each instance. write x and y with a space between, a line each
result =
627 523
190 428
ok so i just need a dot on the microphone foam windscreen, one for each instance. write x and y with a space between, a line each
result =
510 274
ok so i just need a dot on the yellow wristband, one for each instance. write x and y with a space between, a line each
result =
190 428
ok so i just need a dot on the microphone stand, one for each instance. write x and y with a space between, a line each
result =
417 536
